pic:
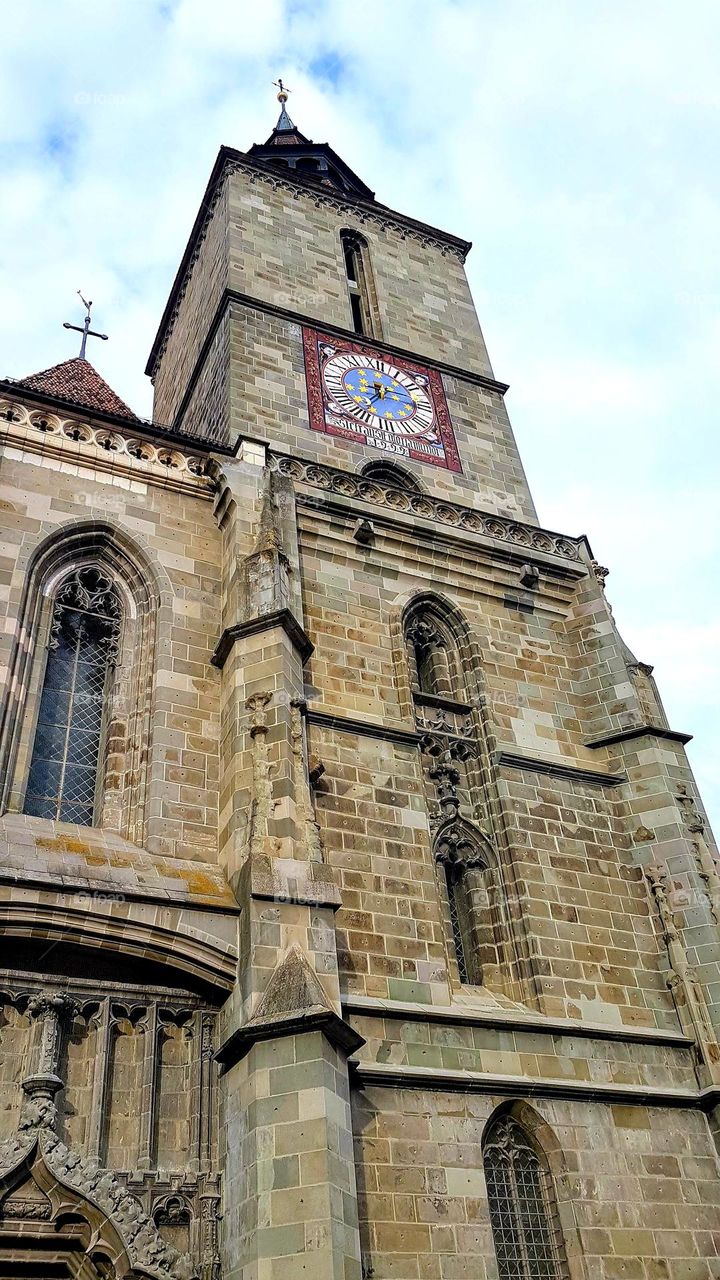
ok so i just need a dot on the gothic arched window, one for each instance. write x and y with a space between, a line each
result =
360 284
523 1210
461 921
432 657
471 888
84 634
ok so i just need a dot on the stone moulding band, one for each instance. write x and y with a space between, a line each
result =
302 318
383 1075
639 731
363 728
525 537
338 1032
122 450
558 769
521 1022
73 888
230 296
504 758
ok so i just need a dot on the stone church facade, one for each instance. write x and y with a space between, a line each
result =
359 915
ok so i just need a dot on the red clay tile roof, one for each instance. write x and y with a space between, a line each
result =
77 381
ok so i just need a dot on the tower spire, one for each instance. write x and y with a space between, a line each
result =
284 124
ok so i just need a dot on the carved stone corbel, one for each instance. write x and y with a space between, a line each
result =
706 864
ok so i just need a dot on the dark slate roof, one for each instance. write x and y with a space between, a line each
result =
77 381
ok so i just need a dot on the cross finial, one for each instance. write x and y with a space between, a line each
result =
284 124
85 329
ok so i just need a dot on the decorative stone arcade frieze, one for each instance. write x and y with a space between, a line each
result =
425 506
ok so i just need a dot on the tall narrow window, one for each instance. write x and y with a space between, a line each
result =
84 633
469 884
359 282
523 1211
430 662
459 922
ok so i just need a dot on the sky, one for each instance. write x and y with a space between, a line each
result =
575 142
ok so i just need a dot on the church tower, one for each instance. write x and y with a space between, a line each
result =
360 914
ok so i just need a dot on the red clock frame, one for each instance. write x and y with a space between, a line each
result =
437 447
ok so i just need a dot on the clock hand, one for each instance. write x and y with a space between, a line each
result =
380 388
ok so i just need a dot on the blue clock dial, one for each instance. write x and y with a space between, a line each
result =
380 393
375 392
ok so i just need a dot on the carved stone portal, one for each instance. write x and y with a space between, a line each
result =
62 1184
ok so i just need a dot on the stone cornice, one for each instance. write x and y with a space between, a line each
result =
363 728
520 1020
364 210
558 769
526 539
230 296
265 622
39 416
337 1031
122 453
67 888
385 1075
335 330
639 731
231 161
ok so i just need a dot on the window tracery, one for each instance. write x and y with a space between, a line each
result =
82 650
523 1210
388 473
468 875
433 668
470 884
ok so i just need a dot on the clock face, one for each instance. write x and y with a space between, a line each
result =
376 393
381 401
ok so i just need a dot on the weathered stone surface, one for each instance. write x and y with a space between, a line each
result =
379 781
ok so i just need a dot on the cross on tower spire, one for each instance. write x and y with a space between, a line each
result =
85 329
284 123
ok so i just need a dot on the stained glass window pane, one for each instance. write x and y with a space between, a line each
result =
66 750
523 1216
